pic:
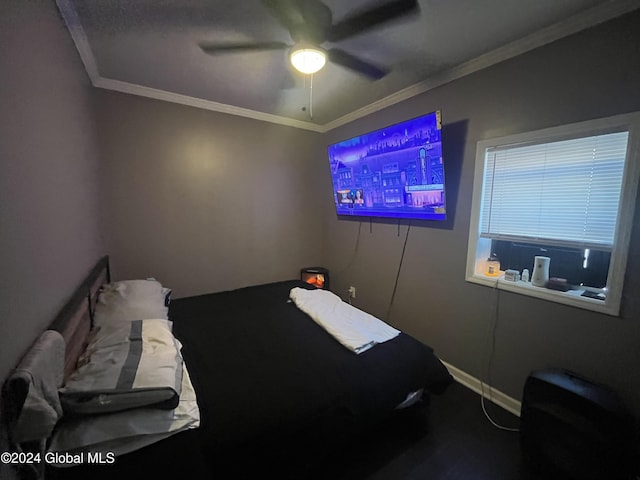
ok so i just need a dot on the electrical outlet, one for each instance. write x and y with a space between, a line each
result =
352 292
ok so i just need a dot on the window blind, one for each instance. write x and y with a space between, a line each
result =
559 193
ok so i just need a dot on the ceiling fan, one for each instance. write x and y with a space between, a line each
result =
310 25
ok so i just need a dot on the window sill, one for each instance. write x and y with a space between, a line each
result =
570 297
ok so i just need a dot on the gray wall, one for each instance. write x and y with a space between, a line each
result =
49 230
592 74
49 216
205 201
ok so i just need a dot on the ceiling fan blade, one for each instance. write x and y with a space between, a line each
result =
216 48
287 12
364 20
306 20
347 60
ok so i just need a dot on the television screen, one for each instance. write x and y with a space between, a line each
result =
394 172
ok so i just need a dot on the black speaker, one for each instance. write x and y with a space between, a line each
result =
573 428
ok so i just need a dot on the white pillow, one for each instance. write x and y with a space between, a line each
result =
130 300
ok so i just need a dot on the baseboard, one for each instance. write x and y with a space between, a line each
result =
496 396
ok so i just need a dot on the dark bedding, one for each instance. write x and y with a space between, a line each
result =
274 388
273 382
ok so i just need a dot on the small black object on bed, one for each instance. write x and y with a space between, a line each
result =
276 392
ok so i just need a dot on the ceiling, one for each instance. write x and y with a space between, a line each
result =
151 48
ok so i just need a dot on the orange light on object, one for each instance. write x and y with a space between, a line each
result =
316 280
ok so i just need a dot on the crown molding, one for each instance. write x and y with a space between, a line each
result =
581 21
140 90
79 37
594 16
81 41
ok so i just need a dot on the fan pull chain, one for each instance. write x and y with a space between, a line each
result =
311 97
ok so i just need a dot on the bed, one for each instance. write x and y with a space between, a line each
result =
276 392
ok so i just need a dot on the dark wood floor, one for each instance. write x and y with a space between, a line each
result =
457 442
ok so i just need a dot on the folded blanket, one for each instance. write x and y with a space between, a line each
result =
40 374
126 431
126 366
353 328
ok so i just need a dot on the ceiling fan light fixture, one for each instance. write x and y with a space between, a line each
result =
308 59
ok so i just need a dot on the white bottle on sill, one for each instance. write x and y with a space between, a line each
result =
540 275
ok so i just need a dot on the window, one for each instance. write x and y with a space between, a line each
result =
566 193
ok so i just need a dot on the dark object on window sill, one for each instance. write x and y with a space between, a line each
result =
560 284
594 295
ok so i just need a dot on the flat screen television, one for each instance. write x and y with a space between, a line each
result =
394 172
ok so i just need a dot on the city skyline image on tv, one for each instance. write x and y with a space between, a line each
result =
394 172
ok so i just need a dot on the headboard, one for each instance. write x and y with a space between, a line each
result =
76 318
